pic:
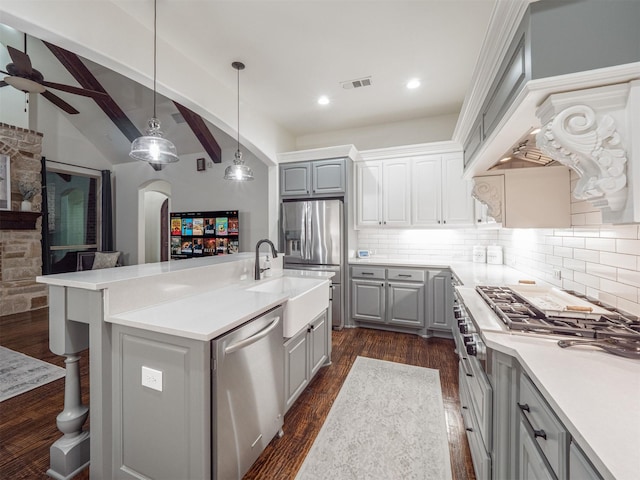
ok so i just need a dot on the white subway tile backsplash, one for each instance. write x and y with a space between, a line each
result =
602 271
603 244
573 242
587 255
617 259
619 290
563 252
629 277
620 231
631 247
602 262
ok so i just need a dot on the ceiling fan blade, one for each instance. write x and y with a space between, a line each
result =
3 83
76 90
59 102
20 60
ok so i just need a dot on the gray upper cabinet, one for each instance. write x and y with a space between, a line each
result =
295 179
317 178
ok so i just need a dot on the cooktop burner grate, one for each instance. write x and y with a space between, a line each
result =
518 314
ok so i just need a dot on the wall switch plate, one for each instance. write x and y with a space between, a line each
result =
152 378
556 274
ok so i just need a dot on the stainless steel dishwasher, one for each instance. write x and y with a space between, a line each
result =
248 393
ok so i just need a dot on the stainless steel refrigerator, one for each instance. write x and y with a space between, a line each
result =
312 237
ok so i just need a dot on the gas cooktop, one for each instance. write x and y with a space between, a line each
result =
582 318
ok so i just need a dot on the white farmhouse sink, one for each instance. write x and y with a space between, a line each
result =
308 297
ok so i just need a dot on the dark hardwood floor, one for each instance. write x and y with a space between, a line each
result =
28 421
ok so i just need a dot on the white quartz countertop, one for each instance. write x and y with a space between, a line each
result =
467 272
208 315
595 394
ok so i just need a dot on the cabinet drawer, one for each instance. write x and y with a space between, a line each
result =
547 430
368 272
479 456
480 396
406 274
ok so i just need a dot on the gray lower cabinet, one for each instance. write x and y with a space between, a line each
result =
441 290
406 304
368 300
580 467
304 354
532 464
178 446
529 440
393 297
506 420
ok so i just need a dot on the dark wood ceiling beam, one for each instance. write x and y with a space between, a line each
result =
202 133
86 79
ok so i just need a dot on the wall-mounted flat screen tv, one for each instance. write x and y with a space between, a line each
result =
205 233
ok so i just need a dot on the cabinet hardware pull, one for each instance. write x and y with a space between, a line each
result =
469 429
367 273
405 276
540 433
444 221
465 408
469 375
524 407
438 221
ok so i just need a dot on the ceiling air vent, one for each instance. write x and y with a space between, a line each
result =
360 82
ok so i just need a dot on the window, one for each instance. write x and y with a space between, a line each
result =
73 225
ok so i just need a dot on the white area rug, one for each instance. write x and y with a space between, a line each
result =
20 373
386 423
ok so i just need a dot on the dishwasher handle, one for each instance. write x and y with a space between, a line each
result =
234 347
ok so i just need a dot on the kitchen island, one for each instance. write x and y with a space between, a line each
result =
167 313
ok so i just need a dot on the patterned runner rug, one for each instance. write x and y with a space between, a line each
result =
20 373
387 422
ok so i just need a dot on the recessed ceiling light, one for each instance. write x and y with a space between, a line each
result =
323 100
413 83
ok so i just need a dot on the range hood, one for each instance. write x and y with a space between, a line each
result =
524 154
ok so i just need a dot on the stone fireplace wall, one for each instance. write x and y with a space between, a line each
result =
20 249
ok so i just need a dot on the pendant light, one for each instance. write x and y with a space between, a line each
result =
152 147
238 171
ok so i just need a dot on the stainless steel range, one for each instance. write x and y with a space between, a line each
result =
550 311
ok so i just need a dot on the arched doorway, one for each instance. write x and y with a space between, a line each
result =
153 216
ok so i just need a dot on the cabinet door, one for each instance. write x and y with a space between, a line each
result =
580 467
295 179
296 367
328 177
396 193
531 465
367 301
506 416
457 203
406 304
426 191
318 343
369 193
441 314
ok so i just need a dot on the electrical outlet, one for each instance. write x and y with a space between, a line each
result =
152 378
557 274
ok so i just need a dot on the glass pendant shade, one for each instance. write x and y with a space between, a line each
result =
238 171
152 147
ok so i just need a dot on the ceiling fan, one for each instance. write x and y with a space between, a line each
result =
22 76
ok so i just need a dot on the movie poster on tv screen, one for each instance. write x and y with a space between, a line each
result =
210 226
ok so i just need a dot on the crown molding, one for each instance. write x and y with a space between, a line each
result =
324 153
503 24
411 150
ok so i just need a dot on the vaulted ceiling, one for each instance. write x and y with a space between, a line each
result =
295 51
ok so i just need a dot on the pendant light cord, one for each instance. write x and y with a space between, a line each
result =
238 87
155 41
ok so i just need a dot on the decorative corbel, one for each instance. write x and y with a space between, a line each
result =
590 144
489 191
